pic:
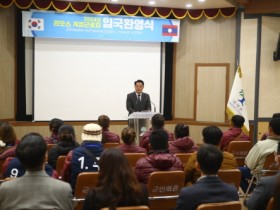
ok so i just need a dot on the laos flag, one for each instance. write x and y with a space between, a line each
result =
169 30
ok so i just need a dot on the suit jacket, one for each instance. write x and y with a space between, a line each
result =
209 189
260 196
132 106
35 190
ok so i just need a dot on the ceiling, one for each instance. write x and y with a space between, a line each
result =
207 4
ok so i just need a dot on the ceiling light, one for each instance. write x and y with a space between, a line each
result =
201 0
152 2
114 0
188 5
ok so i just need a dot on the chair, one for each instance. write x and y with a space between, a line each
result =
164 188
49 146
85 181
230 176
270 167
231 205
239 149
110 144
184 157
130 208
270 204
59 164
133 158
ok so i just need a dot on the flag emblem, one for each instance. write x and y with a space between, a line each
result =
36 24
169 30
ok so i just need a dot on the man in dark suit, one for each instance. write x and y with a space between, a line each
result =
261 195
138 101
209 188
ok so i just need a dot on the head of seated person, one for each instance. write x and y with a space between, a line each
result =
7 134
157 121
128 136
54 125
104 122
181 131
158 141
67 134
212 135
274 127
237 121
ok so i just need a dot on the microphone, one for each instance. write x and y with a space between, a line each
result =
155 110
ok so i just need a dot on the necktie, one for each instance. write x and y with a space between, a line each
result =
138 99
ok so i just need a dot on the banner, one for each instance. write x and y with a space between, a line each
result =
104 27
236 103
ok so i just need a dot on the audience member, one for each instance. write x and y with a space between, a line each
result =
117 184
265 135
107 136
211 135
157 123
183 143
128 138
261 195
85 157
257 155
54 126
13 168
209 187
34 190
159 158
67 142
9 141
235 132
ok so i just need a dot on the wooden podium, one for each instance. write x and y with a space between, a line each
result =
140 122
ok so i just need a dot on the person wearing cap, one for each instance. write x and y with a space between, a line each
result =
138 101
85 157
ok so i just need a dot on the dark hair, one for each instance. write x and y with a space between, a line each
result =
159 139
104 121
128 135
238 121
158 121
276 191
212 135
209 158
116 179
7 133
31 151
55 124
181 130
274 124
276 115
67 133
140 81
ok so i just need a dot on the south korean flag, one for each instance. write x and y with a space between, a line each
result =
36 24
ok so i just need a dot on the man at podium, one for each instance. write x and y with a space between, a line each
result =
138 101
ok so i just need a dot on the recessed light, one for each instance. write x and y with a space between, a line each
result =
201 0
114 0
188 5
152 2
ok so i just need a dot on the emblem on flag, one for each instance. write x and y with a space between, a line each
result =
169 30
236 103
36 24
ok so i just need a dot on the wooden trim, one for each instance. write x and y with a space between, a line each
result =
227 65
174 80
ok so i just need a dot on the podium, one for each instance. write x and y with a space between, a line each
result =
140 122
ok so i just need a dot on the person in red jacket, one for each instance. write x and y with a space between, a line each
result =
235 133
157 123
183 143
159 158
107 136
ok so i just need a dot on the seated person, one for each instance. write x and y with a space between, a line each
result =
183 143
234 133
9 141
159 158
128 138
209 187
107 136
67 142
12 168
265 135
35 189
85 157
211 135
117 184
261 195
54 126
157 123
257 155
